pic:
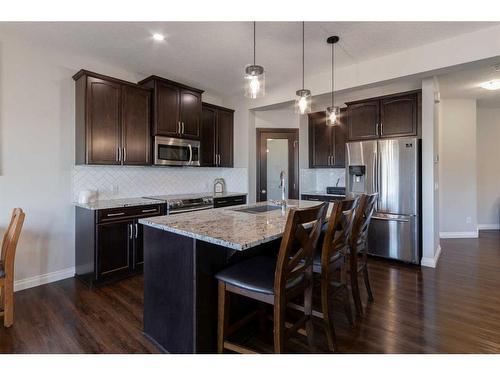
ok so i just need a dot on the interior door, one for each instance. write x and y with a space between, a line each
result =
167 110
278 150
190 113
104 125
320 141
225 124
136 136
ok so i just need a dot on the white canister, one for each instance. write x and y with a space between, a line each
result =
87 196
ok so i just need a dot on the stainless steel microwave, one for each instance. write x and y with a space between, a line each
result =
176 151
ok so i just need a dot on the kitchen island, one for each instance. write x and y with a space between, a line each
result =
183 253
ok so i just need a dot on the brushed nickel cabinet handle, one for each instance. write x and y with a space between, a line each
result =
116 214
182 127
124 154
150 210
130 232
136 230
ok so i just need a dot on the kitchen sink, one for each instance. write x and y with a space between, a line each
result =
258 209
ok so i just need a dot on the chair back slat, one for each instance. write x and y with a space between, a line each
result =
362 220
302 231
338 232
10 240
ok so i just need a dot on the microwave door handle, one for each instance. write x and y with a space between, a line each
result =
190 154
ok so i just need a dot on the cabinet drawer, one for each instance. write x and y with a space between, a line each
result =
129 212
230 201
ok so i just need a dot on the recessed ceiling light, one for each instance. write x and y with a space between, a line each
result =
491 85
158 37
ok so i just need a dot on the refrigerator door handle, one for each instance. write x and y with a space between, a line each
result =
391 219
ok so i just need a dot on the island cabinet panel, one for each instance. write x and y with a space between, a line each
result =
217 136
326 143
229 201
112 121
109 243
177 108
396 115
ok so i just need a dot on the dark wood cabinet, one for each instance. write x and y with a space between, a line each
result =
176 108
114 246
136 136
109 243
363 120
229 201
320 198
217 136
389 116
326 143
112 121
398 116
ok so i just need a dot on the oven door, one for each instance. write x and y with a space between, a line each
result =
175 151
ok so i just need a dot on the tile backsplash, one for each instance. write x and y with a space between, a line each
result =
112 182
318 179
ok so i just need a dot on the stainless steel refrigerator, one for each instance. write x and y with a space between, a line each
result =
390 168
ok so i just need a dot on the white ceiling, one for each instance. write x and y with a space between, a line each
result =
464 83
212 55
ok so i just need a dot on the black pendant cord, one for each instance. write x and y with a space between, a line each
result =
303 54
254 42
333 75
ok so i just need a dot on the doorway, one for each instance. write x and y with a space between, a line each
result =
277 151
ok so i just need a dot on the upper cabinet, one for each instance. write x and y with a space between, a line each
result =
176 109
390 116
217 136
112 121
326 143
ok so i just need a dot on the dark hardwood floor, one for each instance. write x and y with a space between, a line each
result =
451 309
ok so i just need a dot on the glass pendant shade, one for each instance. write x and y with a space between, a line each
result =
303 101
255 82
332 116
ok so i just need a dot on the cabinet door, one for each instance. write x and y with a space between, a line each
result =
320 141
167 110
363 120
138 257
225 124
208 137
114 249
103 121
190 113
339 140
398 116
136 135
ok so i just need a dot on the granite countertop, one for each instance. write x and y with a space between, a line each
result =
117 203
322 193
227 226
198 195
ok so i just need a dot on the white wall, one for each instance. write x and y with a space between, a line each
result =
37 153
488 171
457 171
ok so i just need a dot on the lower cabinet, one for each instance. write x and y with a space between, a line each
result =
320 198
229 201
109 243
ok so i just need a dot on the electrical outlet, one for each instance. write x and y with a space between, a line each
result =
468 220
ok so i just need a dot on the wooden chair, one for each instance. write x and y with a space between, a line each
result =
275 281
358 250
8 254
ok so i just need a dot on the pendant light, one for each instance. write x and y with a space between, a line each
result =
332 112
254 77
303 96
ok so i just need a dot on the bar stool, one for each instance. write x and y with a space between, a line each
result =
358 250
275 281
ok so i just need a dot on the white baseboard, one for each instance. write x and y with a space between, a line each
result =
50 277
472 234
488 226
432 262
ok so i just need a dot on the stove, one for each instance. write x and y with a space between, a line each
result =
180 203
